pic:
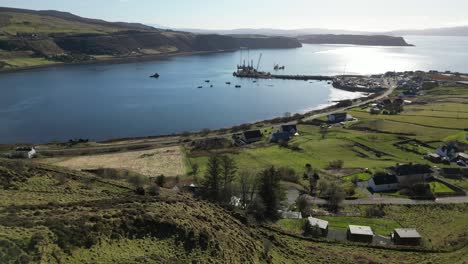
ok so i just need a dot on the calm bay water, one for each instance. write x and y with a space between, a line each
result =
111 101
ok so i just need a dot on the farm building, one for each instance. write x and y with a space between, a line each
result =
322 224
23 153
252 136
360 234
383 182
406 236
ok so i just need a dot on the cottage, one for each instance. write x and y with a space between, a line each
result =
375 110
321 224
338 117
278 137
360 234
407 173
447 152
406 236
291 129
462 83
252 136
383 182
24 153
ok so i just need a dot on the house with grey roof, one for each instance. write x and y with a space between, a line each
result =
360 234
321 224
406 236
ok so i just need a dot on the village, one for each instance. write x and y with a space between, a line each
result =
348 157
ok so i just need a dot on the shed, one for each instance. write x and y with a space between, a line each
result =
360 234
406 236
322 224
253 136
383 182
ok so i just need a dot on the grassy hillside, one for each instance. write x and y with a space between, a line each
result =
53 215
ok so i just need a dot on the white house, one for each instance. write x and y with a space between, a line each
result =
24 152
383 183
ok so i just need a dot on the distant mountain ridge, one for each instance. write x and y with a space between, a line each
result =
449 31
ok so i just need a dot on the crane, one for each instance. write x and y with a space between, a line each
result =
259 60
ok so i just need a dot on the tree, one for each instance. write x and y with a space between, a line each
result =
137 180
271 192
213 181
195 169
247 186
161 180
228 173
335 195
303 205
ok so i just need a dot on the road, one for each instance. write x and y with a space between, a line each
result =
377 199
391 87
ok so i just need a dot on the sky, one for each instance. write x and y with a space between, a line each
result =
363 15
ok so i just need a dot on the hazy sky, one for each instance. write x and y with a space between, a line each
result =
367 15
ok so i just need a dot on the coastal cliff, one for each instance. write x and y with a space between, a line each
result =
35 38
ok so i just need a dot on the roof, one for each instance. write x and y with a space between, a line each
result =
24 148
407 233
360 230
322 224
382 179
462 82
253 134
289 128
463 155
409 169
343 115
281 136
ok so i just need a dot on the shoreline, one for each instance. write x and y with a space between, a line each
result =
114 60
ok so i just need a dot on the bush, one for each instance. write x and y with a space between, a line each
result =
375 211
288 174
137 180
153 190
336 165
161 180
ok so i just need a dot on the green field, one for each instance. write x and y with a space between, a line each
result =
438 187
381 226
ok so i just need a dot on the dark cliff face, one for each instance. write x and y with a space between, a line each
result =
371 40
223 42
123 42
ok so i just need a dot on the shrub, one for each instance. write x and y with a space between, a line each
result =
153 190
161 180
336 164
288 174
